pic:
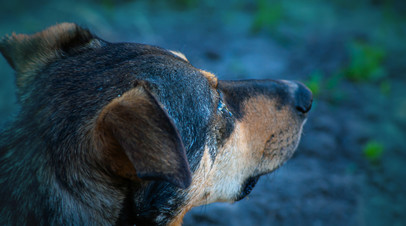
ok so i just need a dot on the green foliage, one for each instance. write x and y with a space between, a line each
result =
373 151
315 83
267 16
366 63
328 88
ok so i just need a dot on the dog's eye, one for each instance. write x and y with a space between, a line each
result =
221 106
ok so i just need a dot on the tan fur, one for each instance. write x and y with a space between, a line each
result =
272 134
249 151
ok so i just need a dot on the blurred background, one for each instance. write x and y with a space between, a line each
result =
350 168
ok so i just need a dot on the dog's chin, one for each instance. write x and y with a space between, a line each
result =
250 182
247 187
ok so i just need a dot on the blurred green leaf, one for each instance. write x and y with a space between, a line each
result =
315 82
366 63
373 151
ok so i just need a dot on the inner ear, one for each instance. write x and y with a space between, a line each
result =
140 140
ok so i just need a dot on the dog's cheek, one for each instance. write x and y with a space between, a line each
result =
220 179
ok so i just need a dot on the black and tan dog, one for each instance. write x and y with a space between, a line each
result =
123 133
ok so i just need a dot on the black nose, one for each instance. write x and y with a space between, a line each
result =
303 98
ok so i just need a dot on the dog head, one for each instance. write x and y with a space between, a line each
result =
167 135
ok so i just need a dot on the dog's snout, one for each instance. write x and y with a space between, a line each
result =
303 98
293 94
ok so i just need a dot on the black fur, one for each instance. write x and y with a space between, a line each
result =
38 153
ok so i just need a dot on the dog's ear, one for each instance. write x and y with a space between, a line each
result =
139 139
27 53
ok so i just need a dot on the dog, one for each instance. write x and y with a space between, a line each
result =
125 133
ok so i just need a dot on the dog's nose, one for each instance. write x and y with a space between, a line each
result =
303 98
301 95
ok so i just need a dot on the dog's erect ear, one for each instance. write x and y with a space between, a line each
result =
139 139
26 53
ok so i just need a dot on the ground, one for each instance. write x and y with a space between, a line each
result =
350 167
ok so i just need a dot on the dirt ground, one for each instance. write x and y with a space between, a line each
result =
350 168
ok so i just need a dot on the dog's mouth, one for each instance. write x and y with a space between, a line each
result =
247 187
